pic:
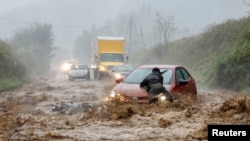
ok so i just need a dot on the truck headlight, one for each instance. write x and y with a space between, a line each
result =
102 68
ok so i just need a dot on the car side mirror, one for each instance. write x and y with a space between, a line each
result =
182 82
118 80
125 58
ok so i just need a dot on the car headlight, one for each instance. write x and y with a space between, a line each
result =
163 98
116 97
118 76
93 66
66 67
113 94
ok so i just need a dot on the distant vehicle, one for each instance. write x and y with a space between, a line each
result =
120 71
79 71
177 80
67 65
107 53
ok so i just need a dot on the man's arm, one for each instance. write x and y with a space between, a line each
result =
144 83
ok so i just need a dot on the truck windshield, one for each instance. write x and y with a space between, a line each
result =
111 57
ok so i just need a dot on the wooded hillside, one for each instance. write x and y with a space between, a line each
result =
219 57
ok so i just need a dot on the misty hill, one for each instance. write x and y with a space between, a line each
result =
218 57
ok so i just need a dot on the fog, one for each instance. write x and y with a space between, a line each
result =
70 18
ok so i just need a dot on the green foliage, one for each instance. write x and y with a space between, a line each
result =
7 83
27 55
10 65
218 57
12 72
223 53
246 91
234 68
33 46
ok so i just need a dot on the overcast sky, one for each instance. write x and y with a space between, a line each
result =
206 11
6 5
194 14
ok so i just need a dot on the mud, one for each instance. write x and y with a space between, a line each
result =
30 113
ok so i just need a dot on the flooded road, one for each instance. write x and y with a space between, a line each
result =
54 108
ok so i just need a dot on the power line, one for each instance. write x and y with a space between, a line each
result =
30 23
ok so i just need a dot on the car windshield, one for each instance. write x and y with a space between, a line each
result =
71 62
138 75
111 57
79 67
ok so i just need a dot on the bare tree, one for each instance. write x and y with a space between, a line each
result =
142 39
163 28
246 2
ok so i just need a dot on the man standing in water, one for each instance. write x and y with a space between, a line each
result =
154 86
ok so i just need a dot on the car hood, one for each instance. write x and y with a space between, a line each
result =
132 90
78 71
123 73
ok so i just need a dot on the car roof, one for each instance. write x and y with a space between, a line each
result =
159 66
71 61
80 64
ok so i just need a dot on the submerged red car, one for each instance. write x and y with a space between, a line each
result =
177 80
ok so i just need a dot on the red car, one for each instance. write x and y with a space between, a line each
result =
177 80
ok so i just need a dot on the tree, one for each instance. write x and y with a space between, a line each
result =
83 45
33 46
11 67
162 28
246 2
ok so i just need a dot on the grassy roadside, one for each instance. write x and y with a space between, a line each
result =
8 83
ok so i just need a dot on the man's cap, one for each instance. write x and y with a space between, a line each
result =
156 69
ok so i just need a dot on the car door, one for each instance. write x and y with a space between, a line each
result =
184 82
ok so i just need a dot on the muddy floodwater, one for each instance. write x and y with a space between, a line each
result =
51 109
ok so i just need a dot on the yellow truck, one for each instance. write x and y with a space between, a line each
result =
107 52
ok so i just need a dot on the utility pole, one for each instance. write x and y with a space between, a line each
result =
130 32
